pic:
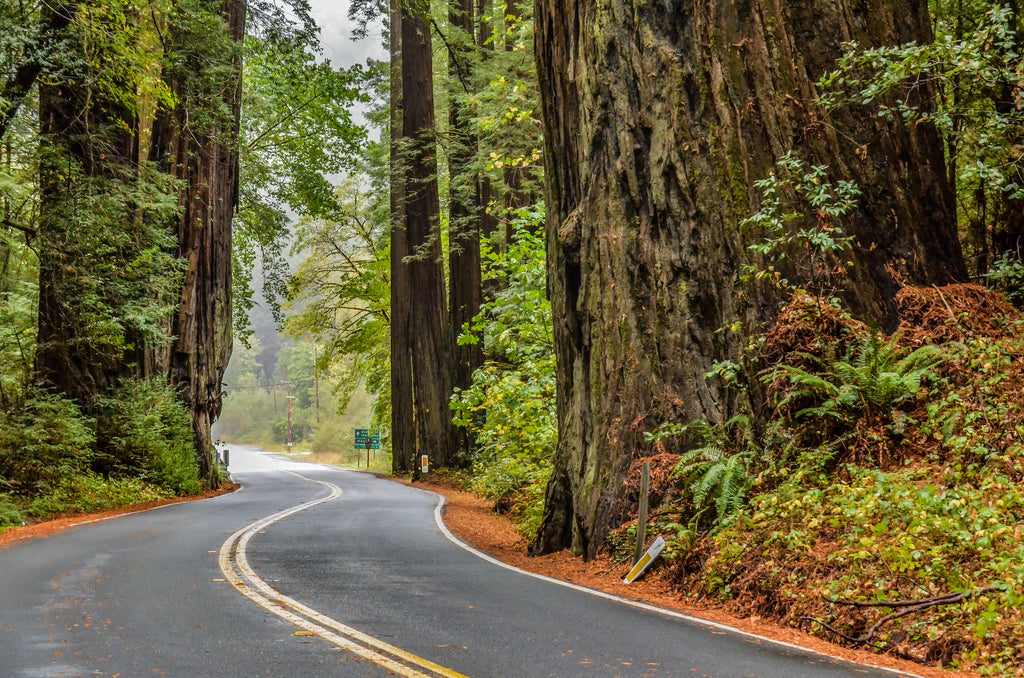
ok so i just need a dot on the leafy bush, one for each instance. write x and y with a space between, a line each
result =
800 217
510 408
42 441
90 492
1007 275
145 430
10 515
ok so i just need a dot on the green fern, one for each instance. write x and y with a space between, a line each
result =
718 479
877 377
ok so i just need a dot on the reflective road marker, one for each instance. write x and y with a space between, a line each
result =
645 560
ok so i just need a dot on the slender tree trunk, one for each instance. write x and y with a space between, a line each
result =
429 328
516 197
488 221
403 432
659 118
465 285
1008 231
199 147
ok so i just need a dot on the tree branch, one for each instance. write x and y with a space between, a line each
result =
905 607
18 85
19 227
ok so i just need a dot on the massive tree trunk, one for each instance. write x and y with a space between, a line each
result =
88 164
196 142
660 116
429 329
403 433
465 286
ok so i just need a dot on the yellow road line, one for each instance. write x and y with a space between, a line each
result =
233 555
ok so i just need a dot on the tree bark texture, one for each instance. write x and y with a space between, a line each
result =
465 286
403 433
201 151
659 117
429 327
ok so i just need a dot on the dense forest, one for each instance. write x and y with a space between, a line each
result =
772 250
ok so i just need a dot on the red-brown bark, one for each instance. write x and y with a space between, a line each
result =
659 118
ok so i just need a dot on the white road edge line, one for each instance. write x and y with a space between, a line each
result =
439 519
276 602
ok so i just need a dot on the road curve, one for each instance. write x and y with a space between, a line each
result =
313 571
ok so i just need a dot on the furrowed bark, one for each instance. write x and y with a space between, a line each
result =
659 117
205 158
429 327
403 432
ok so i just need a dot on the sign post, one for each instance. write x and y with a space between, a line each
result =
366 440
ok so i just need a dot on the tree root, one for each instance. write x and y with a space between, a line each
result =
904 607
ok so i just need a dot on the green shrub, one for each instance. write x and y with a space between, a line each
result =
510 407
42 441
90 492
144 430
10 515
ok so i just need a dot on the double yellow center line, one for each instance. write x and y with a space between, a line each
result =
235 566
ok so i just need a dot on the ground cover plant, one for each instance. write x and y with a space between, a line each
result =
880 504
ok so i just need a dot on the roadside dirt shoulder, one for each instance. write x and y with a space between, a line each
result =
46 528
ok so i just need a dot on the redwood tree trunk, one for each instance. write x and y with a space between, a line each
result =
465 287
403 433
89 144
197 145
429 329
660 116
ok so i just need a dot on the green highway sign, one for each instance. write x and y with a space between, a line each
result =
367 441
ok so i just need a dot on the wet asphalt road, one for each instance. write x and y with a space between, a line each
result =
144 595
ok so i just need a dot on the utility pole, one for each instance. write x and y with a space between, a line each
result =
289 398
316 385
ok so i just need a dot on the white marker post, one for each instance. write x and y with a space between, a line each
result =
645 561
424 464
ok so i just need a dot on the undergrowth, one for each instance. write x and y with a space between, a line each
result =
880 505
510 408
135 447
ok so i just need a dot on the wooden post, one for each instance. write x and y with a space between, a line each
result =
641 519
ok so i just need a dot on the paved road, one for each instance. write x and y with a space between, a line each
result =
311 571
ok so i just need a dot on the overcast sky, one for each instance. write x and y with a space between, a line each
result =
336 35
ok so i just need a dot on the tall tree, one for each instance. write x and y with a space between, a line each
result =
465 286
103 279
38 49
196 142
403 434
429 329
659 118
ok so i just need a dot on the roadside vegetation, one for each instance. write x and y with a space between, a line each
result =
880 504
55 461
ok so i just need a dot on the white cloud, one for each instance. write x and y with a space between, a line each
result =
336 35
